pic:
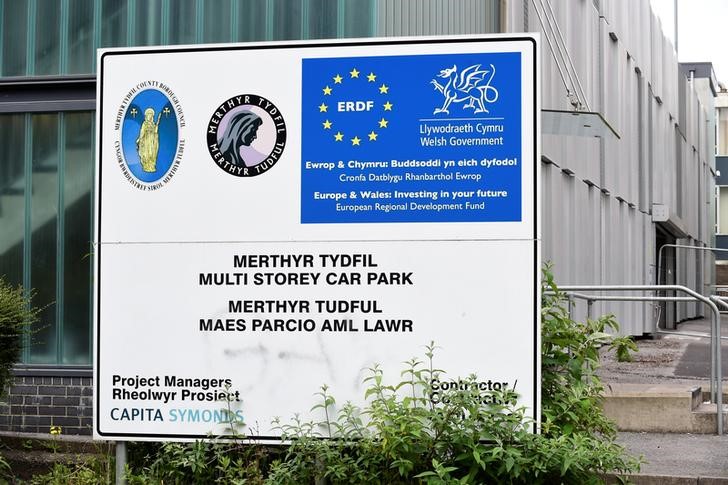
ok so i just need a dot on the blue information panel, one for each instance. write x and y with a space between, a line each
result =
421 138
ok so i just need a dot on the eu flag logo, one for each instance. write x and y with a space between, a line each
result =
354 107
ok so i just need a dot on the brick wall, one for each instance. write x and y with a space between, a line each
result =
34 404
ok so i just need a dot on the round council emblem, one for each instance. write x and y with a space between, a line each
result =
149 149
246 135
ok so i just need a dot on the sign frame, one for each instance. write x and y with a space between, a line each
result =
532 293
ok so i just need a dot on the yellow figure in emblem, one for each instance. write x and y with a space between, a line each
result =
148 141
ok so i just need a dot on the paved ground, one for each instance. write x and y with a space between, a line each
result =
674 359
685 455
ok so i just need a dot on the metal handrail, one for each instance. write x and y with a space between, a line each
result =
683 246
716 371
590 299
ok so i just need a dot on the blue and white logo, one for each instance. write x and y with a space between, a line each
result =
150 148
420 138
471 85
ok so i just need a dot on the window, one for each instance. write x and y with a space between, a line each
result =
47 129
46 181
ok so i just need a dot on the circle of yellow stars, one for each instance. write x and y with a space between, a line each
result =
383 123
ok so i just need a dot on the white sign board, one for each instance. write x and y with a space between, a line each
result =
273 217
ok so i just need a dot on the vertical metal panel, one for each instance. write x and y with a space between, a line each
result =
548 212
568 217
656 55
669 77
437 17
683 94
631 131
650 270
643 46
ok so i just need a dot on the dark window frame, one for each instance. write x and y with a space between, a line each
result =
49 94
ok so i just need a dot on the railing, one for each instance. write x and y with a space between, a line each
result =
716 371
683 246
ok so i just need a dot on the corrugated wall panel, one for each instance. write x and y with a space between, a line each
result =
548 213
656 55
613 252
578 154
610 100
570 241
553 90
628 237
692 172
643 268
575 244
631 133
585 24
669 77
658 156
682 272
613 65
645 41
437 17
588 234
629 21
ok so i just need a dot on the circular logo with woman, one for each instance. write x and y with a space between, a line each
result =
246 135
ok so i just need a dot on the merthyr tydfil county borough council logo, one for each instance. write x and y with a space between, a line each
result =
149 148
246 135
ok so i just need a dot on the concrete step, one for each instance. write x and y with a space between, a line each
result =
665 408
705 417
655 479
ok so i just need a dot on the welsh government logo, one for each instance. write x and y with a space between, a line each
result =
353 107
149 147
246 135
470 86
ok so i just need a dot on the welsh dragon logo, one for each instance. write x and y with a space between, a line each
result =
472 84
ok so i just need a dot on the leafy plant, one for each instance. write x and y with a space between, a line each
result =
93 470
465 435
16 317
237 462
623 347
571 390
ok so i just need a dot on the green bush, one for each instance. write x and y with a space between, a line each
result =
405 438
16 316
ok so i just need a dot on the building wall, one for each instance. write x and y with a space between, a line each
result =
721 108
599 192
721 193
436 17
36 403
